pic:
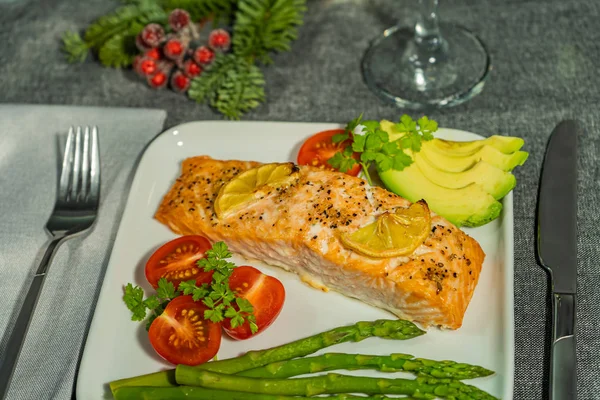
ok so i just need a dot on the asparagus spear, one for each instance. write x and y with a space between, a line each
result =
383 328
387 329
391 363
330 384
197 393
155 379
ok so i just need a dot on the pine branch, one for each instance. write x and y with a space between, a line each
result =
231 85
75 48
241 91
263 26
119 21
113 32
142 2
118 51
204 87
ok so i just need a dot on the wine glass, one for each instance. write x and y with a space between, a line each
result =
429 65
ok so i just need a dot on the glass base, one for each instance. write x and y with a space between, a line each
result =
427 75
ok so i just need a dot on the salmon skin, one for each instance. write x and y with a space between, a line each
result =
298 228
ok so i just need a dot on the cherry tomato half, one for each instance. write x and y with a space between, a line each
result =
264 292
319 148
177 260
181 335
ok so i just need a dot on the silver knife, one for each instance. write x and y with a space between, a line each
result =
557 252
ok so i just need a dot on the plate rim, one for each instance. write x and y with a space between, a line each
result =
507 248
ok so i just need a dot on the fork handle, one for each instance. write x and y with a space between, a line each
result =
17 336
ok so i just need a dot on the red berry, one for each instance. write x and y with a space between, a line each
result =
139 43
203 55
180 82
158 80
153 53
136 62
152 35
173 49
146 66
219 39
191 69
179 19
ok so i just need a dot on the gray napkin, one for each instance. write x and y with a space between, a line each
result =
29 165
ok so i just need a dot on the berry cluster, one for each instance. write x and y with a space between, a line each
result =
178 56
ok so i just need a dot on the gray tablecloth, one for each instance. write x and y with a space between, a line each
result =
31 142
545 55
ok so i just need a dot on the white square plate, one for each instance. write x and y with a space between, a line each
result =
117 347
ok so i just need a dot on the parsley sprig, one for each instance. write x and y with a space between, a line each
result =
375 148
222 302
155 304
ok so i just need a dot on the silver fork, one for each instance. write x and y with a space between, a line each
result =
74 212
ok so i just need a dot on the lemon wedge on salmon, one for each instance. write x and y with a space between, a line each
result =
393 234
253 185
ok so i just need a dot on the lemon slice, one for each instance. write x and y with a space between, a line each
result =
252 185
393 234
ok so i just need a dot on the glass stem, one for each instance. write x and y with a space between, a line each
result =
427 28
431 47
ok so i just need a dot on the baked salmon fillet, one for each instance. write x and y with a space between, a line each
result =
298 228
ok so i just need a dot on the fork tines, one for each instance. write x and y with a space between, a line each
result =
80 176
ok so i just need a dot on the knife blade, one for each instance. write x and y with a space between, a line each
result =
557 252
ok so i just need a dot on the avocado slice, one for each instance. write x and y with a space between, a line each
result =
491 179
459 163
504 144
389 127
467 206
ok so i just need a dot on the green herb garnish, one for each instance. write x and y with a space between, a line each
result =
217 296
155 304
375 147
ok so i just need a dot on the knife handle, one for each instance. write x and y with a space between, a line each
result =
563 370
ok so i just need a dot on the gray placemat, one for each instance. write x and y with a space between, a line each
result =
29 165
